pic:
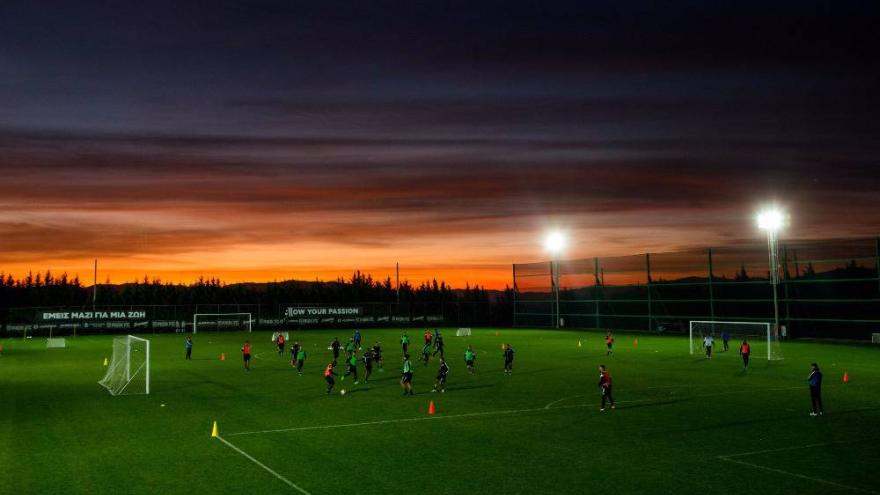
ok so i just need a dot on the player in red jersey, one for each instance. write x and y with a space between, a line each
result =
328 376
246 354
279 341
744 351
609 343
605 386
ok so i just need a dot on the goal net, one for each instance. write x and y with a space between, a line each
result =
129 369
276 334
463 332
757 333
234 322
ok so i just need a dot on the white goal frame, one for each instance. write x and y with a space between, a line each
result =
766 326
250 319
463 332
128 370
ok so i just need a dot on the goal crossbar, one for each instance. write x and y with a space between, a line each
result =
197 315
764 325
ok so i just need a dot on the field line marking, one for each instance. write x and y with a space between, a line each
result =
557 401
783 449
267 468
796 475
404 420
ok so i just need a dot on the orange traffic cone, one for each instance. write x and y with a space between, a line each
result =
845 377
222 356
431 408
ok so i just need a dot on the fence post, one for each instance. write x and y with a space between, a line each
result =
877 260
596 289
711 286
514 294
785 289
648 286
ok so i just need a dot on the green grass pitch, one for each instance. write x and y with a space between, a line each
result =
683 424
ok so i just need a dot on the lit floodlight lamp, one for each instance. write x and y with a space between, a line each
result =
555 242
771 220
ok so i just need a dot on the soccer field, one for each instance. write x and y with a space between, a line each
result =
683 424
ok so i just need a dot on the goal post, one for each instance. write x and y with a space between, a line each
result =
737 329
129 370
223 321
463 332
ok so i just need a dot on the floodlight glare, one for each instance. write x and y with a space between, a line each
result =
771 220
555 242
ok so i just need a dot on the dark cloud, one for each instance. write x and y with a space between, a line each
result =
169 128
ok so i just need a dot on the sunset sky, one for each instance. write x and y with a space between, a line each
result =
284 140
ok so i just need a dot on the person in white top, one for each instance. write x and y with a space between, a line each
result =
707 343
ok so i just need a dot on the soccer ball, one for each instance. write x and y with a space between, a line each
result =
342 392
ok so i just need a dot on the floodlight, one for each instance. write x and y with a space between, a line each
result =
555 242
771 220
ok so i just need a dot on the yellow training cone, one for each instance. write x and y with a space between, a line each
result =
105 361
215 432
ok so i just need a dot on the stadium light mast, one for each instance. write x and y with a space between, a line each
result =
555 243
771 221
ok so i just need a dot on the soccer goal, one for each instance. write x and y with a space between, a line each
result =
129 369
222 321
463 332
276 334
737 331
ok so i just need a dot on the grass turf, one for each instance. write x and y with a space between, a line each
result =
683 423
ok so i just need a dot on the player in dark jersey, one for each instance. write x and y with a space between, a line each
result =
508 359
377 356
368 364
426 353
334 346
605 386
439 345
815 381
441 376
328 376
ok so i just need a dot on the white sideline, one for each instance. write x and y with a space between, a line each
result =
267 468
729 458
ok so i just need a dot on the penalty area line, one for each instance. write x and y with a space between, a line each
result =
265 467
730 458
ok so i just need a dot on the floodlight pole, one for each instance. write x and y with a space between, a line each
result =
773 253
556 287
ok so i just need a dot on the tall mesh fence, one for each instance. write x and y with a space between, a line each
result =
827 288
